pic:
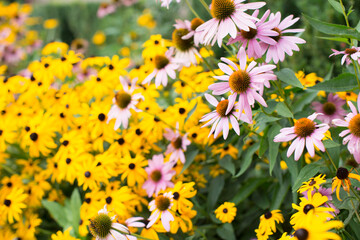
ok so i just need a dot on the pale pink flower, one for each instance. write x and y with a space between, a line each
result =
284 44
245 81
332 109
185 51
166 3
227 15
306 133
159 175
219 119
164 68
192 33
135 222
160 208
123 101
352 122
263 33
105 9
352 53
113 234
178 145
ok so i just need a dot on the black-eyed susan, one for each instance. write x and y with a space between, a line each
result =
90 175
317 229
12 205
181 194
154 46
313 183
223 150
269 220
226 212
65 235
133 170
183 221
343 179
309 208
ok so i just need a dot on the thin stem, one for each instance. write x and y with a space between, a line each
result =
282 94
227 49
172 127
348 234
206 6
8 169
353 205
192 9
331 160
208 65
346 19
354 192
132 234
356 72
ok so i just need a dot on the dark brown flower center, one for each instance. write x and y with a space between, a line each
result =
301 234
304 127
354 125
312 183
225 210
162 203
156 176
180 43
250 34
329 108
308 207
222 9
177 143
161 61
342 173
268 215
276 38
239 81
196 22
123 99
221 107
350 51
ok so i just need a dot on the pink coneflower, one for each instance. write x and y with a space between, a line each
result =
227 15
192 33
263 32
136 222
219 119
349 53
177 146
306 132
159 175
330 110
164 67
123 101
185 51
160 208
106 9
284 44
244 81
166 3
352 122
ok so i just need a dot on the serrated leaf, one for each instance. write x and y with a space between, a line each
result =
273 147
288 76
248 188
190 155
226 232
215 188
283 110
342 83
227 164
247 159
333 29
336 5
305 174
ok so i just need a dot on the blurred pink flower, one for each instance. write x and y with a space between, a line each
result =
332 109
177 146
349 53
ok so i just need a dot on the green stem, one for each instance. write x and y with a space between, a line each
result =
346 19
8 169
172 127
348 234
354 192
356 72
206 6
331 160
353 205
208 65
227 49
132 234
192 9
282 94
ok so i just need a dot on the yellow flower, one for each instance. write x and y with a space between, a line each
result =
125 51
317 229
12 204
63 235
55 48
99 38
348 96
342 179
226 212
50 23
133 169
146 20
268 221
313 183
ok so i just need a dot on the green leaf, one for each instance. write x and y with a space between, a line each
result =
57 212
248 188
333 29
335 39
283 110
191 112
190 155
274 147
215 188
305 174
342 83
228 164
280 195
264 145
292 165
75 204
305 99
288 76
226 232
247 159
329 74
336 5
330 144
